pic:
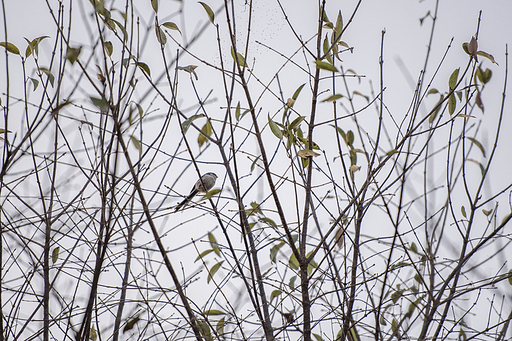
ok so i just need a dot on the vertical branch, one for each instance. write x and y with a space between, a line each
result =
192 319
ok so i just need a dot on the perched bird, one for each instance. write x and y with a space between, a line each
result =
202 185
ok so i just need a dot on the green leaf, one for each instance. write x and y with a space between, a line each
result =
394 325
349 138
269 222
335 52
451 104
325 66
111 24
213 270
463 211
318 337
240 58
237 111
465 48
324 16
171 26
312 264
10 47
452 82
253 164
35 82
486 76
478 144
126 61
213 312
60 106
275 128
204 253
33 46
510 277
338 28
392 152
220 327
487 55
93 334
333 98
72 54
436 109
211 193
108 48
154 4
209 11
414 305
274 294
274 250
144 67
48 73
139 108
100 103
131 323
462 335
382 320
399 265
136 143
291 284
341 132
160 35
255 208
295 123
121 27
207 130
297 92
185 125
293 262
326 48
55 255
482 169
414 248
213 243
204 328
360 94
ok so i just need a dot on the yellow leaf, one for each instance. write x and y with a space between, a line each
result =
239 57
305 153
55 254
354 168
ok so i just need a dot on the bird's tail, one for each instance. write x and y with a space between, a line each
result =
185 201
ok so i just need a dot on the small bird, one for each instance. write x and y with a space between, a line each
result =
202 185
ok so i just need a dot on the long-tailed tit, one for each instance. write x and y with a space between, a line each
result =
202 185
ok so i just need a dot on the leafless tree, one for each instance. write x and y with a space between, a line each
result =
334 216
